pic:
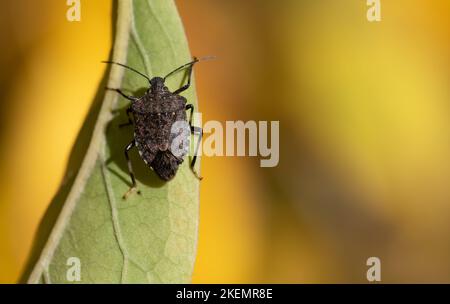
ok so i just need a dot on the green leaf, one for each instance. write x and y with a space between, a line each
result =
147 238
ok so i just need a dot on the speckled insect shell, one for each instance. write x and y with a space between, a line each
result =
154 114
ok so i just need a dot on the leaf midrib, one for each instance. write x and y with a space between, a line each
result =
98 138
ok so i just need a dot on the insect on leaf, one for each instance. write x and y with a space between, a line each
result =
148 238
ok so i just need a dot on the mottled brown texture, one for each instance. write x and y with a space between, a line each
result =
154 114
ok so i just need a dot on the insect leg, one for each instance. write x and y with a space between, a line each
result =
194 130
199 132
131 145
132 98
130 122
190 107
186 86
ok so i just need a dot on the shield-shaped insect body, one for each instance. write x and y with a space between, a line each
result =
161 129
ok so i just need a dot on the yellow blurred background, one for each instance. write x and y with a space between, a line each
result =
364 132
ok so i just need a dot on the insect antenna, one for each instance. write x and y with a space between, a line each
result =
127 67
189 64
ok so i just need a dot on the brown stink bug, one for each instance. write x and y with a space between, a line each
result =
154 116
